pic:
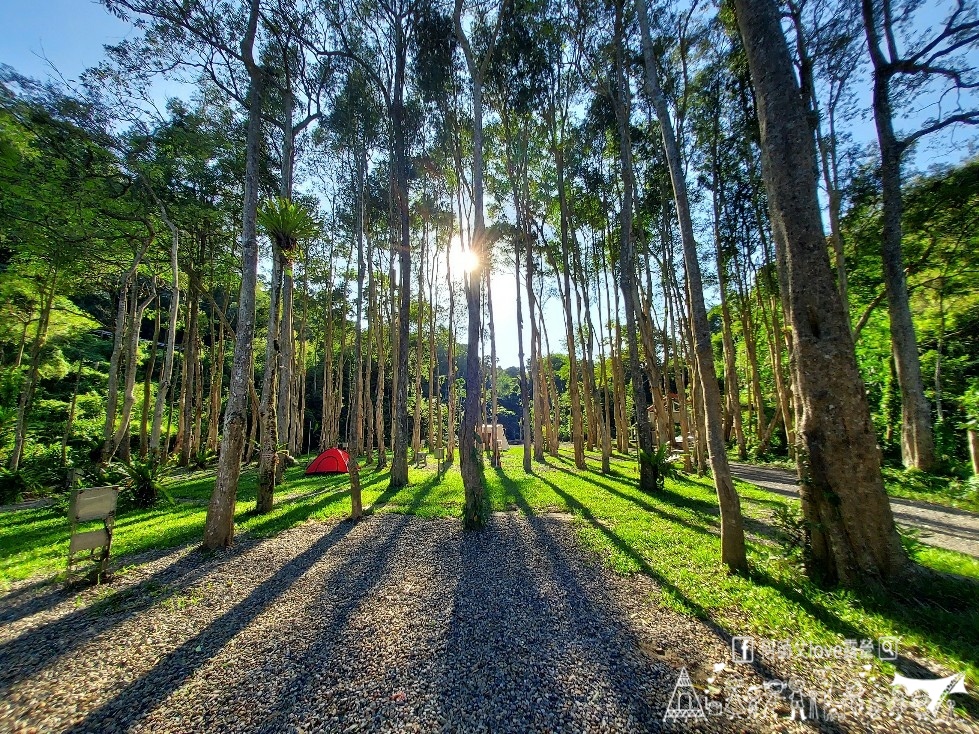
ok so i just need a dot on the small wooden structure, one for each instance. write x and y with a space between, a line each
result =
331 461
486 436
90 505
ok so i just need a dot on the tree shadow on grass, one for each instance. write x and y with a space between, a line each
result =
644 505
513 494
11 521
277 520
55 528
418 494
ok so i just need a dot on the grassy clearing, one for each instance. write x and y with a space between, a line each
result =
672 536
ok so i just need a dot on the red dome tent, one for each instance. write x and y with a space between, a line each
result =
331 461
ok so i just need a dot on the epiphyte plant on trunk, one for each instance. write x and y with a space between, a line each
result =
287 224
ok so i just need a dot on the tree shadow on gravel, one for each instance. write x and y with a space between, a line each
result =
531 647
140 697
342 593
699 611
38 647
31 599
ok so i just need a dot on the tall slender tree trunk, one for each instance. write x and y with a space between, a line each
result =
285 366
849 522
399 464
216 384
732 388
470 461
917 440
732 529
115 358
381 359
126 301
22 343
607 419
30 379
120 437
627 259
526 431
219 527
574 392
148 384
268 455
494 394
973 436
69 423
434 412
357 439
284 334
416 428
189 386
158 452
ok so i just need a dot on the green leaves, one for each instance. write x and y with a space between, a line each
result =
287 223
970 404
146 481
662 467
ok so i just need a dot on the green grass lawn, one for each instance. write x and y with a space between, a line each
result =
672 536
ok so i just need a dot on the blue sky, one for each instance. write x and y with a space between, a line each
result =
70 33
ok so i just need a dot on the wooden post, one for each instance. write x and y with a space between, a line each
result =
356 504
974 449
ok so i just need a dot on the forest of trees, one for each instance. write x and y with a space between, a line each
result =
709 217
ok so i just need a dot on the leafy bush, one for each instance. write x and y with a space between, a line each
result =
13 485
98 475
790 531
660 464
949 445
8 421
44 469
204 458
145 481
970 404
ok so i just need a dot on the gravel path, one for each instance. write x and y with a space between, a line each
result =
944 527
27 505
397 624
